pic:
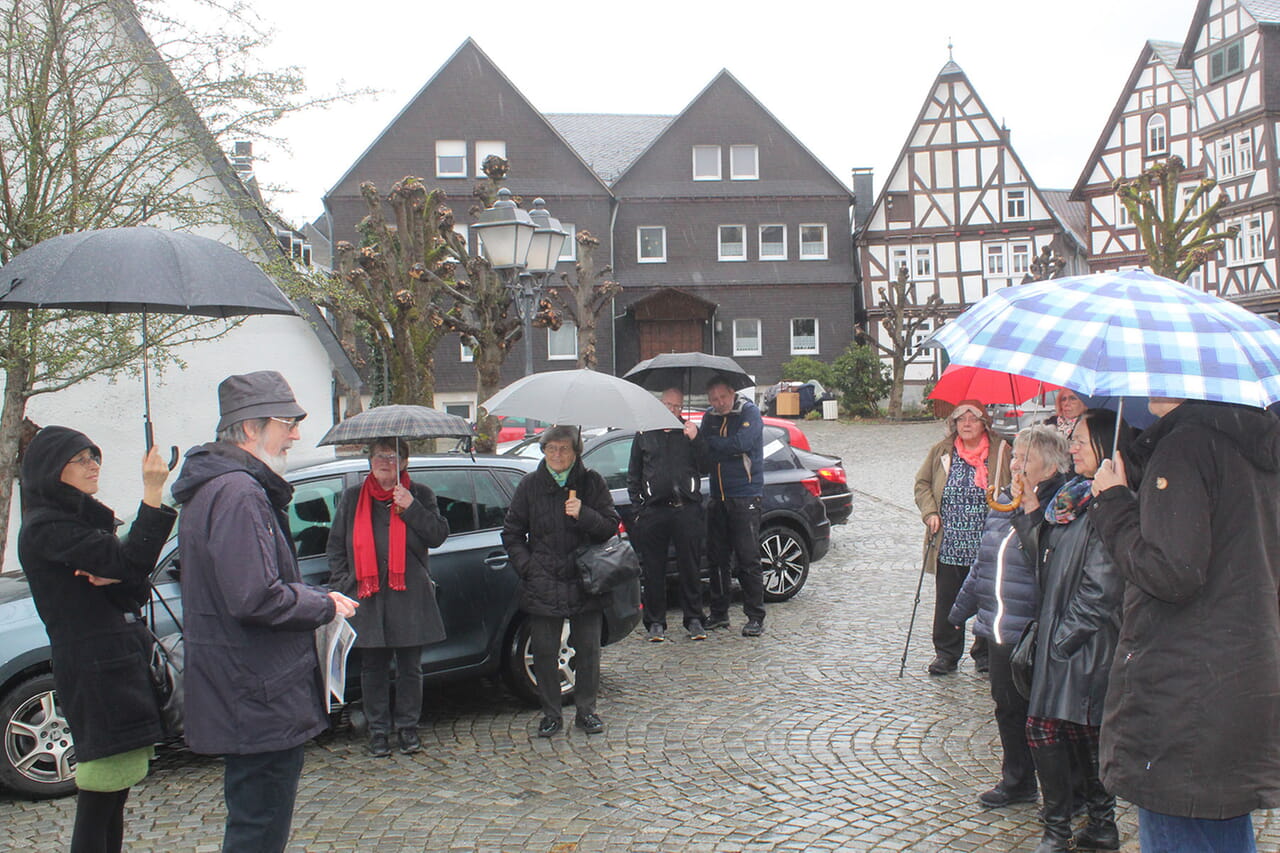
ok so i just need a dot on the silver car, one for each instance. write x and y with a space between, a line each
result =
1007 420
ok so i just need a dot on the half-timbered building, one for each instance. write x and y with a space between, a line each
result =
959 211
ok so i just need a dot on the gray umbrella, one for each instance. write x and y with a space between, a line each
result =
582 397
690 371
139 271
407 422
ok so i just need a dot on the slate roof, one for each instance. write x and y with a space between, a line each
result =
1072 214
1263 11
608 143
1167 52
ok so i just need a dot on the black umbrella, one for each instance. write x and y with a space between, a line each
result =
407 422
140 271
687 370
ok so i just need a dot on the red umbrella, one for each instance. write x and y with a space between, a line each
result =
987 386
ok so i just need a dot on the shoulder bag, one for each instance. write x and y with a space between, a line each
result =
605 565
1023 658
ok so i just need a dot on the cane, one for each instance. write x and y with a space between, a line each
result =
933 539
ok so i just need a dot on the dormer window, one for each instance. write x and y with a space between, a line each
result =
706 162
1226 60
744 162
1157 136
1015 204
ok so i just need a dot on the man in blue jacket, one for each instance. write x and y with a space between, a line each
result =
734 434
253 686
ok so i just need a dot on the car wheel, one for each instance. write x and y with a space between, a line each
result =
39 756
517 668
784 562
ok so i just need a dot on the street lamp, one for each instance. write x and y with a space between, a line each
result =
505 232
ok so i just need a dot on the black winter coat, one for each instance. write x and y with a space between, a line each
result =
391 618
665 465
1193 717
541 539
252 676
100 645
1001 587
1079 618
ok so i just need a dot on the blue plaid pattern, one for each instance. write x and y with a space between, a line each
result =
1129 334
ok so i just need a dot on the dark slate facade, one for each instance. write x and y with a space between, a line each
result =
623 176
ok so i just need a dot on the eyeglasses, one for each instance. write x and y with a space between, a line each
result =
968 418
385 457
291 423
86 459
1075 444
559 449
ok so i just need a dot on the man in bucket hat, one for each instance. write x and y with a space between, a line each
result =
253 686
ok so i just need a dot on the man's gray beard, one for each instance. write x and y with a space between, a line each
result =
277 463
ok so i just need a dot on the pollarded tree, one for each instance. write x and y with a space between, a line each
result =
1178 236
581 298
905 317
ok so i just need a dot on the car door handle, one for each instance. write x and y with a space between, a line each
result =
497 560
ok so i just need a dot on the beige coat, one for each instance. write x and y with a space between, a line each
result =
932 476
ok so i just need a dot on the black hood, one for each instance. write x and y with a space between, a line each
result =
42 464
216 458
1254 432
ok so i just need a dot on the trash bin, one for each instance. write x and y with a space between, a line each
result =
830 410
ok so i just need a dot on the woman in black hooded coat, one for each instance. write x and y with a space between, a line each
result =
89 587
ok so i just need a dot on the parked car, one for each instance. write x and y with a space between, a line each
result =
794 435
476 590
515 429
794 530
1008 420
836 496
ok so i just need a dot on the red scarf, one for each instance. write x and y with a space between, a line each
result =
366 552
977 458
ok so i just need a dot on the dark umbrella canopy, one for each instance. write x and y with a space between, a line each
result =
136 270
690 371
406 422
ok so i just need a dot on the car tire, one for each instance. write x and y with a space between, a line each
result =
517 665
39 755
784 562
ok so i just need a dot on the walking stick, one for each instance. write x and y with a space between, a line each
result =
933 540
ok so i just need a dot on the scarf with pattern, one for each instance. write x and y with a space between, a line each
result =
1070 501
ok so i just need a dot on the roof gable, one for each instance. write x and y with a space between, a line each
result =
609 143
724 113
1262 12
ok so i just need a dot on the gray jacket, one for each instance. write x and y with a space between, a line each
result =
252 675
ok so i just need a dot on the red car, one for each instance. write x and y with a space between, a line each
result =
796 438
513 429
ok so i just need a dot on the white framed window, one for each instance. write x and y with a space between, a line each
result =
924 262
1122 212
921 335
1015 204
746 337
804 336
1195 281
995 260
462 410
1019 258
562 343
451 158
1226 158
465 353
1184 198
1157 135
489 148
463 232
569 249
899 259
733 243
773 242
1248 244
706 162
1244 152
744 162
651 244
813 242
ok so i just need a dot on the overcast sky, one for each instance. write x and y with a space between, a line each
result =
847 77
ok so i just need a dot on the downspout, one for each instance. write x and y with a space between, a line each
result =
613 300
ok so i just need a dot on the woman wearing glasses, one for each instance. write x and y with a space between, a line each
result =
953 485
89 587
378 554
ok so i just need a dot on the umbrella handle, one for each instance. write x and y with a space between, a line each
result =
149 437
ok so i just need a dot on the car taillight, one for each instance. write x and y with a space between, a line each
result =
622 528
812 484
1013 413
832 475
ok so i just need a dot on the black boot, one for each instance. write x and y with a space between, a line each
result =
1101 832
1053 766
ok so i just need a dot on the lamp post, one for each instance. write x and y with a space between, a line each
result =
523 247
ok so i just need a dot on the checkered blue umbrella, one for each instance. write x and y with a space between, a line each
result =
1122 334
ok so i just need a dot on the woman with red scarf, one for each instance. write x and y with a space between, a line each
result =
952 489
378 554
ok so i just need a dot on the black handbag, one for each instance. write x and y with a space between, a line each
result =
605 565
1022 659
166 680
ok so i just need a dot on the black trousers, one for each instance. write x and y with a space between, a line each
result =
733 529
99 822
375 687
1017 769
260 789
948 639
544 643
655 530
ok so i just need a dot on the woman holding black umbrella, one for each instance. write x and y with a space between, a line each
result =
89 587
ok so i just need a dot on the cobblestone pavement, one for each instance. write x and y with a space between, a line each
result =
804 740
